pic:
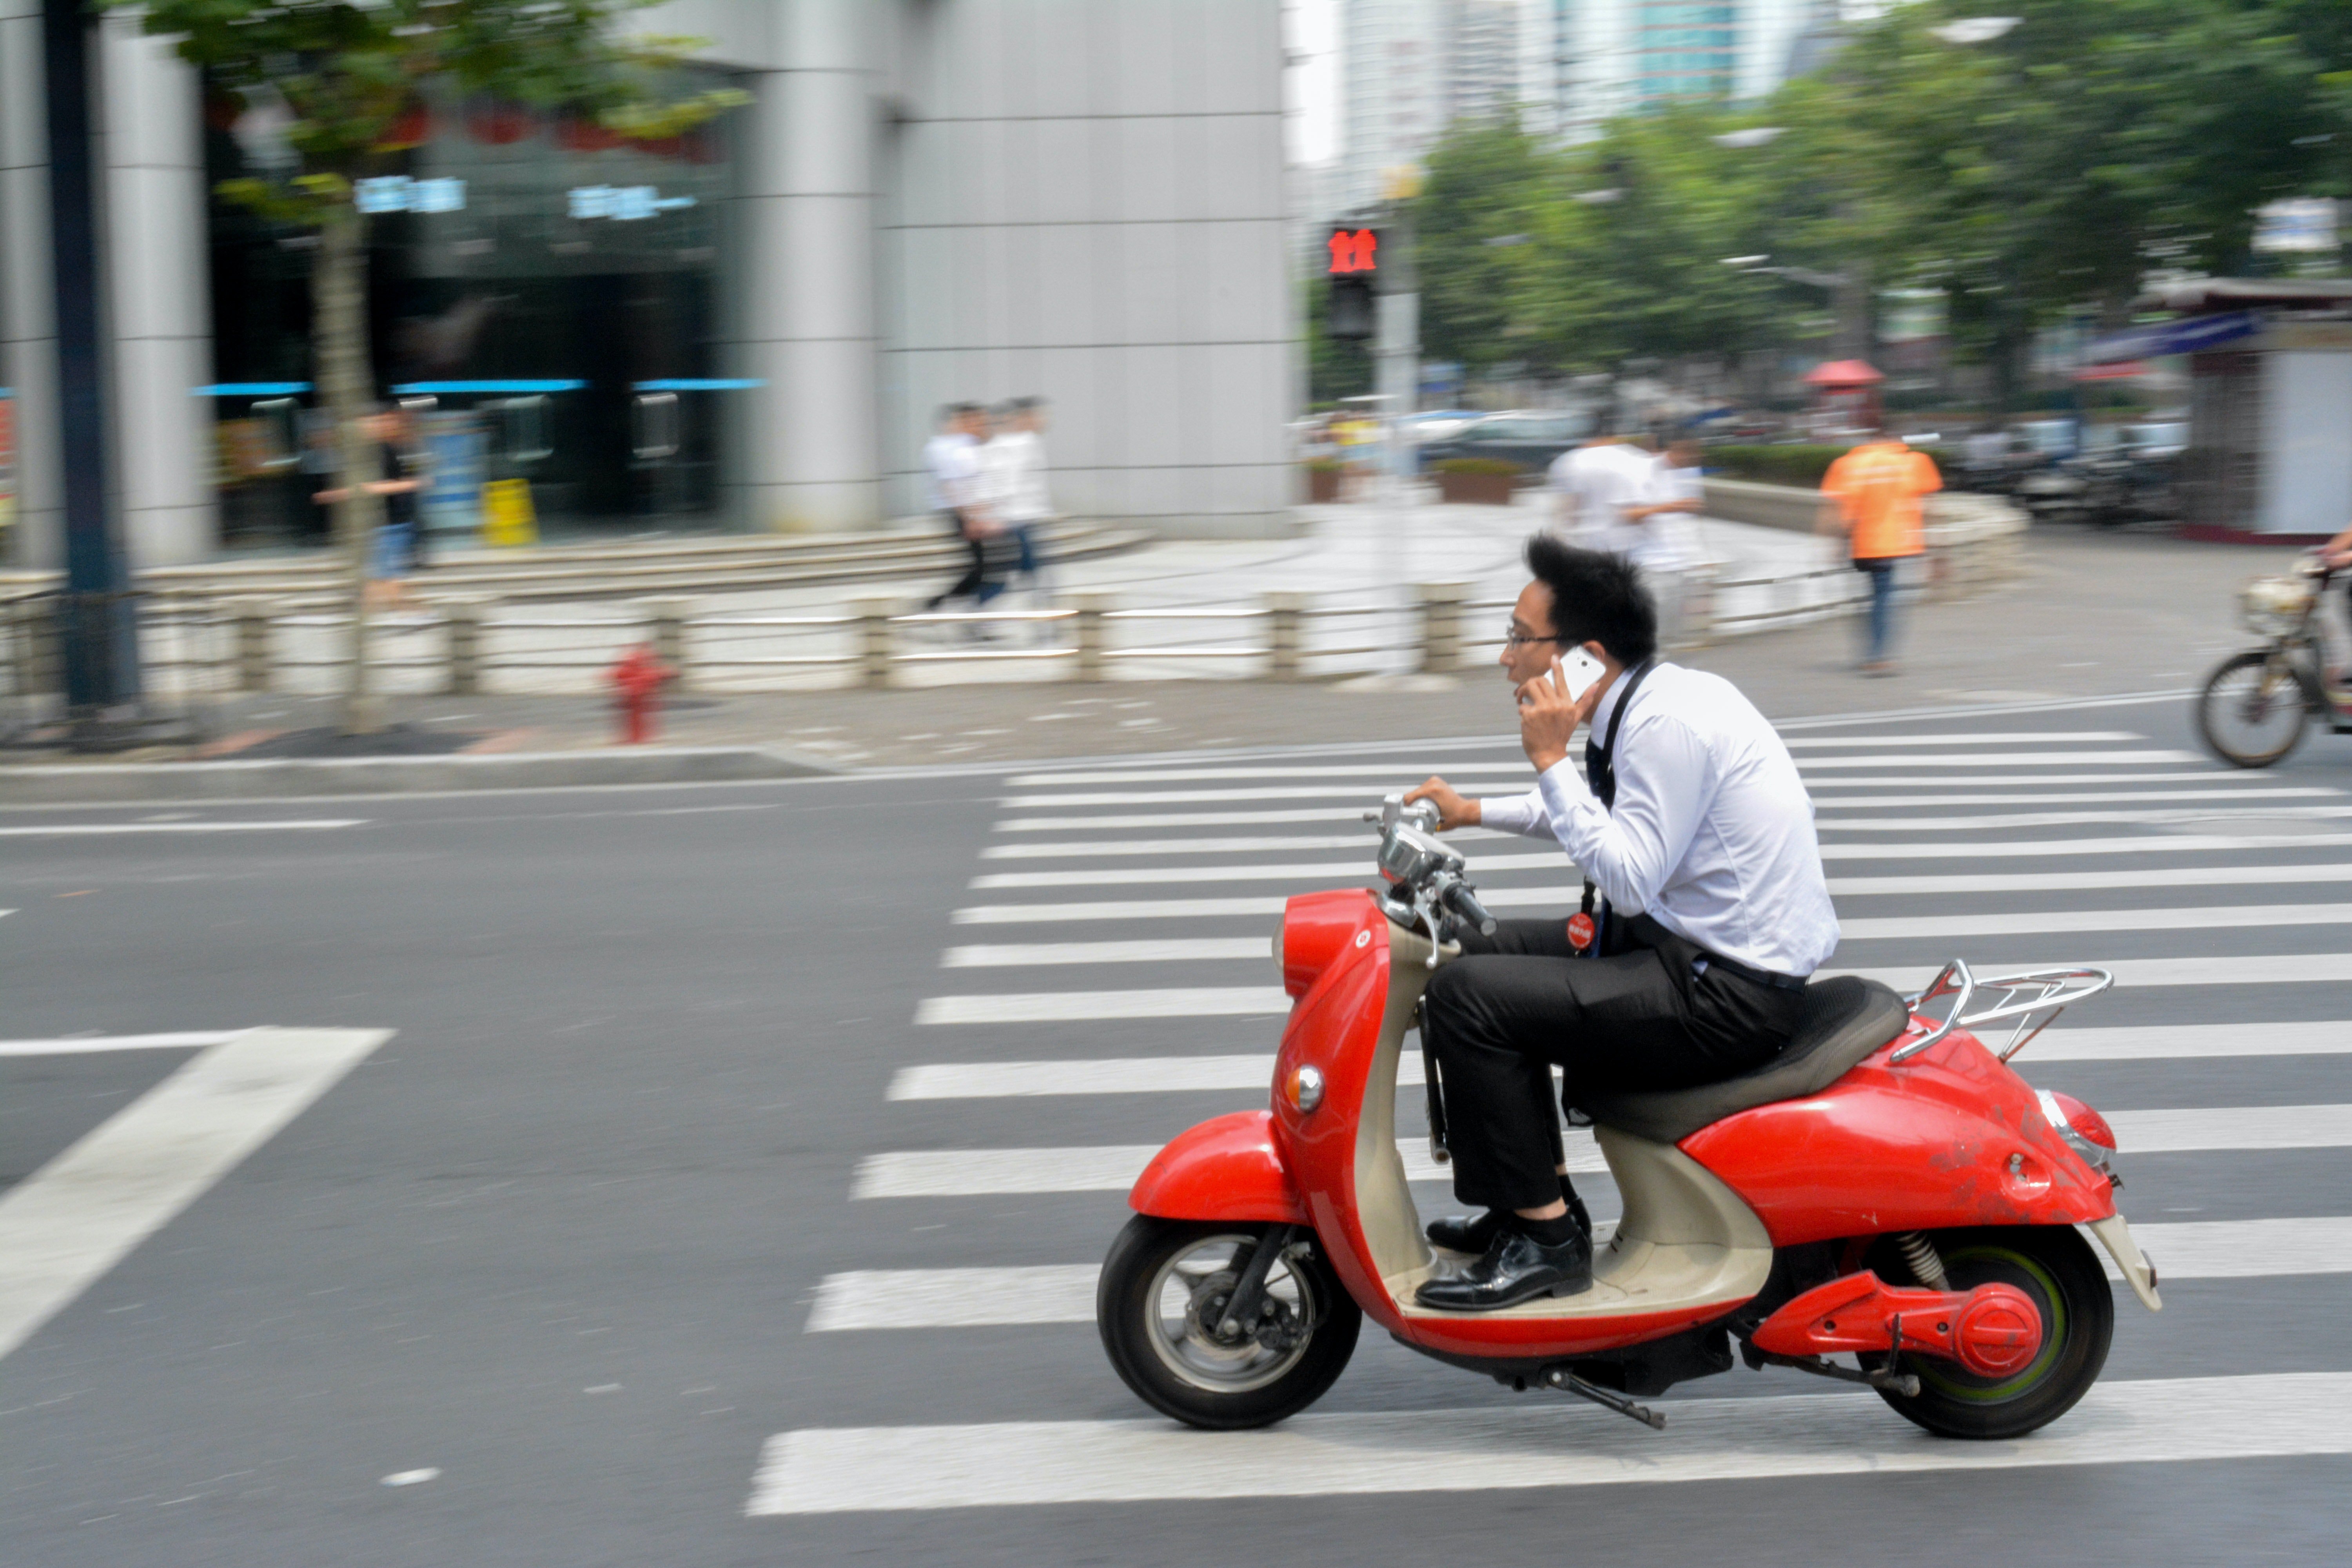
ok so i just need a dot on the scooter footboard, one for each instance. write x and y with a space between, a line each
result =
1229 1168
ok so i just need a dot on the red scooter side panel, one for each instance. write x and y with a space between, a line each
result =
1224 1168
1950 1138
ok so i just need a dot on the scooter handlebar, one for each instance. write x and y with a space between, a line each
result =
1464 902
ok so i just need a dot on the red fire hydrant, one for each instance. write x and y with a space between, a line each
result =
638 677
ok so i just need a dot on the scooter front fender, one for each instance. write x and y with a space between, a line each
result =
1229 1168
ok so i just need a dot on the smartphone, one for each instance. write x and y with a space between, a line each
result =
1581 670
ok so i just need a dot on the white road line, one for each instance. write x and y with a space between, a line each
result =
2158 1042
2144 974
1519 1446
74 829
1364 841
84 1044
66 1225
1184 1075
958 1172
1065 1292
2213 917
1825 794
1365 796
2000 738
2002 760
1552 860
1103 1168
2208 818
1007 955
1072 1006
2081 882
1120 909
2233 1127
1564 895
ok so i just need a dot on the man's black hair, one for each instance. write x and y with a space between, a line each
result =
1595 598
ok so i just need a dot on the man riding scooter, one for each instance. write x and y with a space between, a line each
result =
1698 835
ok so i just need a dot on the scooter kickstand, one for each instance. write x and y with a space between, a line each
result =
1567 1382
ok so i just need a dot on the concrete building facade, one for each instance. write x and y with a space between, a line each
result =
925 200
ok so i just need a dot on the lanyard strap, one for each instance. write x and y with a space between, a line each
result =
1601 768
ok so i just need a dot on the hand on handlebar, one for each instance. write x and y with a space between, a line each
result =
1453 810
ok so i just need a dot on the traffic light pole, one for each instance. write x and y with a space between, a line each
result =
1396 352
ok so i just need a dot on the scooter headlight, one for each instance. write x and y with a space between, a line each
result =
1304 1089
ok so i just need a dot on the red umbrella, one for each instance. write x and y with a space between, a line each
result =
1843 373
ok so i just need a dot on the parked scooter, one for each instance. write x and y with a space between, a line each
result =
2257 705
1884 1188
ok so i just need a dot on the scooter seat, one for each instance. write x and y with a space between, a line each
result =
1844 1020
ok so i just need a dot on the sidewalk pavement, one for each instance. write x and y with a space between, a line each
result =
2094 614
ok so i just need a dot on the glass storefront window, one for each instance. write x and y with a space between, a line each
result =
546 294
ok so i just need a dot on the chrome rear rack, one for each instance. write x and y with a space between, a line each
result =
2054 990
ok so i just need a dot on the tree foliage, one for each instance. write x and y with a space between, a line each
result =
2047 169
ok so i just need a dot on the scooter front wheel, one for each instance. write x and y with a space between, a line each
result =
1160 1305
2060 1274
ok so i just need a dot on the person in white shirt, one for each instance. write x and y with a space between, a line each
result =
1013 468
1698 835
951 458
1602 493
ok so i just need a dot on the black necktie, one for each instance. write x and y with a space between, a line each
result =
1598 773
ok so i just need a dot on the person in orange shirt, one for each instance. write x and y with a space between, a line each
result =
1871 498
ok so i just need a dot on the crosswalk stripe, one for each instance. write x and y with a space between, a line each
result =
2000 760
1117 910
84 1044
2230 917
1515 778
1910 927
2204 775
955 1173
1071 1006
2062 819
1353 812
2081 881
92 829
1065 1292
2141 973
1363 841
1174 1075
1551 860
1538 1443
1006 955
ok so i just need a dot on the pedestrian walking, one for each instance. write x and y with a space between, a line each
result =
1871 498
953 460
1014 487
1668 548
1602 493
395 553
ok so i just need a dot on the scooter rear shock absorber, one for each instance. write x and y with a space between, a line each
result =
1925 1266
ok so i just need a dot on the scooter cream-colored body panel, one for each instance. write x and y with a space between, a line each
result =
1686 1239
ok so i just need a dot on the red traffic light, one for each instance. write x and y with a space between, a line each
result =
1353 250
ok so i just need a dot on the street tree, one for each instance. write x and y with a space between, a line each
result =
337 89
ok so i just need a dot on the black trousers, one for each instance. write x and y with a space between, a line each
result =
1517 1004
991 555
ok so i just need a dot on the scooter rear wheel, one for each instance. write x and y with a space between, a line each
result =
1158 1302
2057 1270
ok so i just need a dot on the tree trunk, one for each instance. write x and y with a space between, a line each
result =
339 291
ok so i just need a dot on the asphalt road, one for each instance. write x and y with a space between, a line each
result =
576 1237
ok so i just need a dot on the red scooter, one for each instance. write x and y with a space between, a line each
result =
1886 1187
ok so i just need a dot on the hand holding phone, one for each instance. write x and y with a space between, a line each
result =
1554 705
1580 670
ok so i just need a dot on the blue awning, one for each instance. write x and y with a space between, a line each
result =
2190 334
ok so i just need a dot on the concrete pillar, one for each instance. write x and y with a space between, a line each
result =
252 618
158 296
808 455
1440 625
465 646
1285 633
29 353
668 620
874 641
1089 605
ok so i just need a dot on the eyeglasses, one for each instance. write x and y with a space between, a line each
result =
1518 639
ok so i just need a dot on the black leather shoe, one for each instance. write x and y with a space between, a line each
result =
1513 1269
1473 1234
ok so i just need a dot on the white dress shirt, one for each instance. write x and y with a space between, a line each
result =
953 459
1014 476
1712 835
